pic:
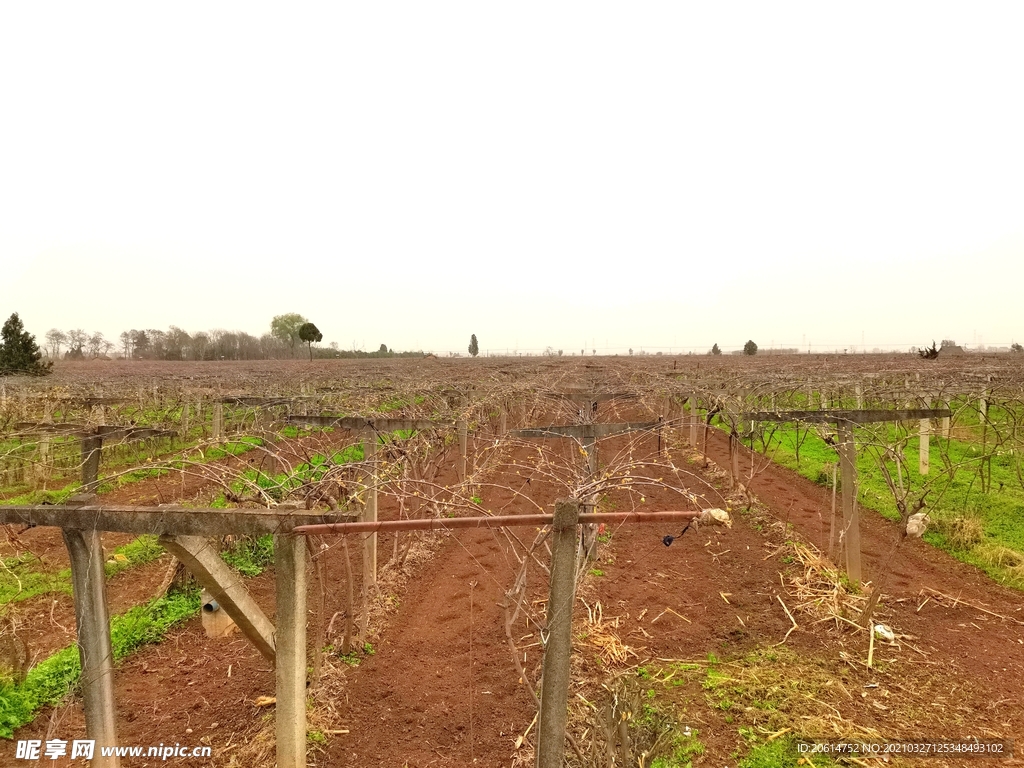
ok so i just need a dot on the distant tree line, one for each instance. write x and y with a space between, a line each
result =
287 335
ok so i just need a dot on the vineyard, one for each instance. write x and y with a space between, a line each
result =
844 558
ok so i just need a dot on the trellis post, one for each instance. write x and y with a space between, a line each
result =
851 516
463 431
92 448
924 446
370 509
218 421
554 693
845 420
89 583
290 642
588 435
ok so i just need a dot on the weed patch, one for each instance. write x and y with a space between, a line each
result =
54 678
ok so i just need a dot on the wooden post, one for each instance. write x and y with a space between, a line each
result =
370 510
924 445
554 695
851 516
290 640
94 648
92 448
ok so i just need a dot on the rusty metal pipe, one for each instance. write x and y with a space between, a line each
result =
495 521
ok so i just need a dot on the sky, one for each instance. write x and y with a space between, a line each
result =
658 175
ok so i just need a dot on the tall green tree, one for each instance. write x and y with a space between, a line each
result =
474 347
286 328
750 348
715 350
19 352
310 333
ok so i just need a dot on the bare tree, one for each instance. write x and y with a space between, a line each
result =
55 338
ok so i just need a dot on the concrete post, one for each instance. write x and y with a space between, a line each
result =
218 421
924 446
693 422
370 510
946 424
92 447
290 640
43 460
463 429
554 695
94 649
589 533
271 466
503 420
734 460
184 421
851 515
860 396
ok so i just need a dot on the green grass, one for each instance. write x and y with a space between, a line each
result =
142 550
782 753
52 679
20 581
685 747
251 556
954 492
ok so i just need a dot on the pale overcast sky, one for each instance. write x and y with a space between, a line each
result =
655 175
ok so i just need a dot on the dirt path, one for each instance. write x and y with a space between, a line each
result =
442 688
